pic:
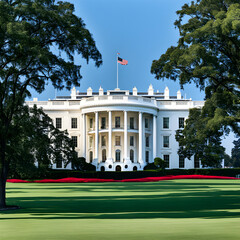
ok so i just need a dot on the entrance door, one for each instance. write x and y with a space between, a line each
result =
118 168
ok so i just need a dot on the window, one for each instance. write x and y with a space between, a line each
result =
146 123
91 156
90 142
181 122
196 162
166 160
166 141
131 155
147 141
147 156
104 155
132 141
118 155
103 123
74 140
117 140
91 123
131 123
58 123
74 122
181 161
165 122
59 163
117 122
103 141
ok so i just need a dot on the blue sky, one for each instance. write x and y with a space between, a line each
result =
140 30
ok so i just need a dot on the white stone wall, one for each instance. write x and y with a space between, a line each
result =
134 106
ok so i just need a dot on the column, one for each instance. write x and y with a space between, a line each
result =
140 135
154 136
110 135
125 137
96 135
84 135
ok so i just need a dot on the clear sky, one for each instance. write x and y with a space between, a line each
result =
140 30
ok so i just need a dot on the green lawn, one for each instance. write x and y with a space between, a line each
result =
179 209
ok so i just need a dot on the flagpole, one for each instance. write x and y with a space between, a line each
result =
117 70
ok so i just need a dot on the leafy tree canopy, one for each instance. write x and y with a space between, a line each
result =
207 54
208 50
236 154
37 145
39 40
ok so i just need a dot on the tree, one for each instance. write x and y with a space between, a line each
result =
200 138
227 161
38 143
34 36
207 54
159 162
236 154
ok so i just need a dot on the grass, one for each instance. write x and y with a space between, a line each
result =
176 209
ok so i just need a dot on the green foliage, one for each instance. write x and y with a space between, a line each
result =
150 166
207 54
81 165
236 154
227 161
159 162
34 36
200 139
37 142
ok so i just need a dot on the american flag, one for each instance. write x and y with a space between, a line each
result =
122 61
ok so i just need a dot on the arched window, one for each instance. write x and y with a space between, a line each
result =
90 156
104 155
102 168
131 155
118 155
135 168
118 168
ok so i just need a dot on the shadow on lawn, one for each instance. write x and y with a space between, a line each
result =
191 201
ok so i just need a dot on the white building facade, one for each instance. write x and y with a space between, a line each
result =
119 130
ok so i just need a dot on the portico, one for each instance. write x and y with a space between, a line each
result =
119 138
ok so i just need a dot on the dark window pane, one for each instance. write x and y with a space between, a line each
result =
165 122
74 122
181 122
166 141
147 156
147 141
131 140
74 140
131 123
146 123
166 160
117 122
58 123
181 161
103 125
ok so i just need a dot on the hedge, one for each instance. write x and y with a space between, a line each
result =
56 174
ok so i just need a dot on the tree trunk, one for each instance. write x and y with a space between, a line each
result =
3 192
3 176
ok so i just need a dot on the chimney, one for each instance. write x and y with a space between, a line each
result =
73 93
135 93
179 96
89 91
150 90
166 93
100 91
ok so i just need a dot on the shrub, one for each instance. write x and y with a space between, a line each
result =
81 165
159 163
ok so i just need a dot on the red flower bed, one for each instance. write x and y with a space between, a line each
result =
95 180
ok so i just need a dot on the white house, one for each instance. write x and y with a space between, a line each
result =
120 130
